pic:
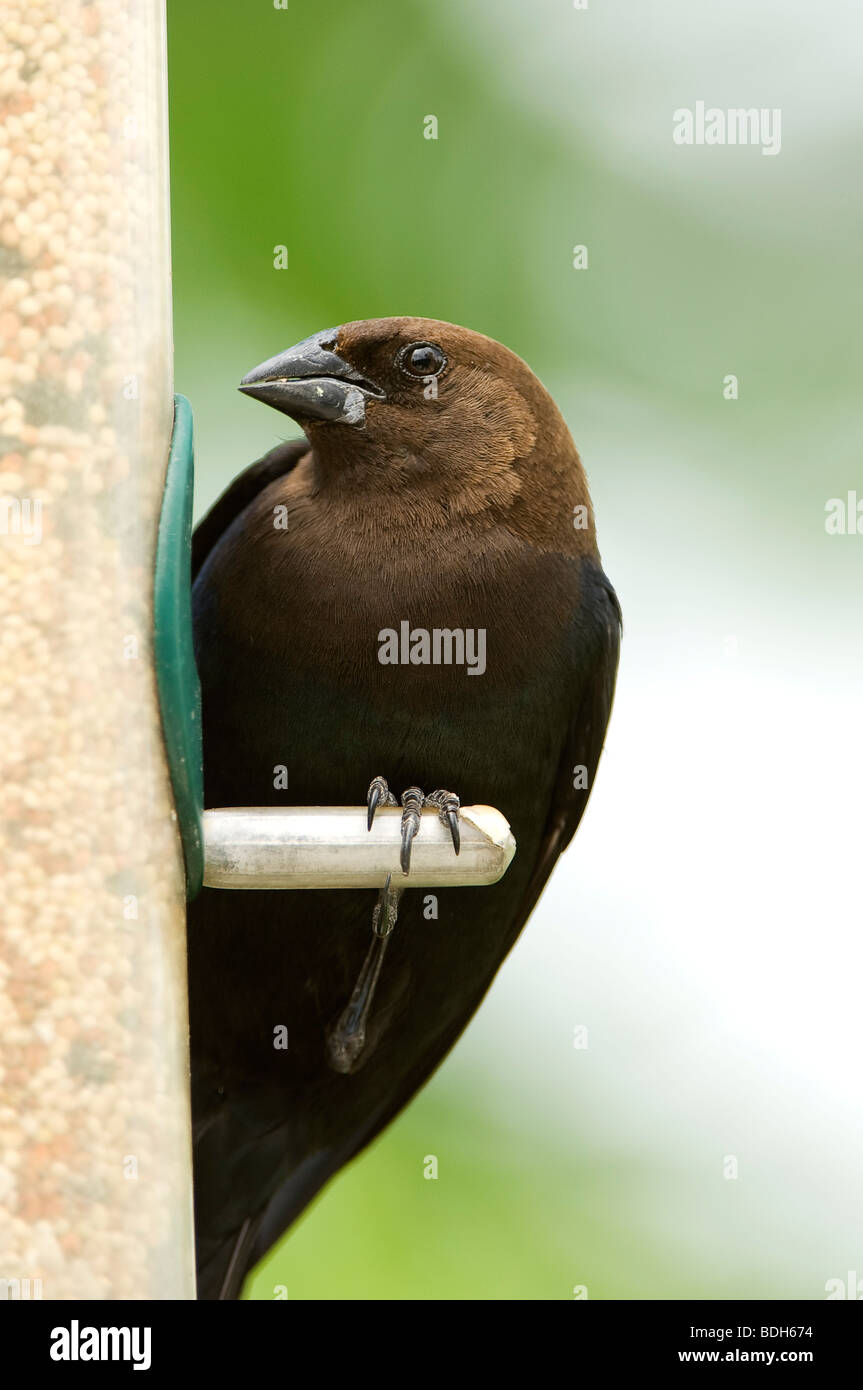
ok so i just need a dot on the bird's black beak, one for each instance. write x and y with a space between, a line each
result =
311 382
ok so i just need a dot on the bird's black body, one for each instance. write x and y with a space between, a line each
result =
287 628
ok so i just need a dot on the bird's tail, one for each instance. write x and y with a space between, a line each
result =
221 1273
225 1256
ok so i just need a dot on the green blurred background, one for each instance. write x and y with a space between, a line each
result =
705 927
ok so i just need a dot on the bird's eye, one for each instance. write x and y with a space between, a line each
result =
422 359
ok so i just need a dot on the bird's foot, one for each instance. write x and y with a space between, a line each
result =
347 1038
413 801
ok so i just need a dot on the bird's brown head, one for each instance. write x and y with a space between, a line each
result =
418 409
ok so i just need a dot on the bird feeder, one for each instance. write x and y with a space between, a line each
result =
102 828
95 1152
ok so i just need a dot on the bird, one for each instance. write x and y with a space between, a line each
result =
435 484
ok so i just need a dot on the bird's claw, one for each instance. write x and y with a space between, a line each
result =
413 801
448 807
378 792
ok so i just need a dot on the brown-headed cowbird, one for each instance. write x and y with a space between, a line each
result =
438 487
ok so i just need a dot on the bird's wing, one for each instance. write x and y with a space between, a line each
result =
585 737
243 490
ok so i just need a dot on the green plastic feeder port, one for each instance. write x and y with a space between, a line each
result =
176 673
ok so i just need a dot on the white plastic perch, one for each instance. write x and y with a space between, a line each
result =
331 847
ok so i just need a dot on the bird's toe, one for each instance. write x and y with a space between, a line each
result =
378 794
448 808
412 803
